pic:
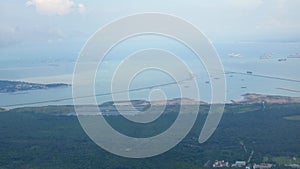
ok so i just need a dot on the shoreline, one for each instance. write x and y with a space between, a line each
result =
248 99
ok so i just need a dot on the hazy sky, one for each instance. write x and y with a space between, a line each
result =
62 21
32 30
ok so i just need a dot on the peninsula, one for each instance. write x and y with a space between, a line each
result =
7 86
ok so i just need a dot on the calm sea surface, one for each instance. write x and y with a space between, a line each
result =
243 57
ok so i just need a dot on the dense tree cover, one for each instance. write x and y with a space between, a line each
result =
29 139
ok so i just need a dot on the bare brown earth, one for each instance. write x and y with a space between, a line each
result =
251 98
248 98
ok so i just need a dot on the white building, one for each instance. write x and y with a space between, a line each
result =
239 164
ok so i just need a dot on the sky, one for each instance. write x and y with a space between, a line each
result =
42 29
62 21
39 31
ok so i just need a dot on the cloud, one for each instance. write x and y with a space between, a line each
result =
246 4
8 36
281 19
81 8
233 55
12 34
55 7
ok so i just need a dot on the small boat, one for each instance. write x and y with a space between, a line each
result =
282 60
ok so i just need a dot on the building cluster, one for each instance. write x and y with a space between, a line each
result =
241 164
219 164
297 166
263 166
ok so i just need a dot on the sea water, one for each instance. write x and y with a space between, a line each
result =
259 58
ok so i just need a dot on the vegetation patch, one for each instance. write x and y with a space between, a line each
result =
282 160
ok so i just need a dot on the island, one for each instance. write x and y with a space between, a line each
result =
7 86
